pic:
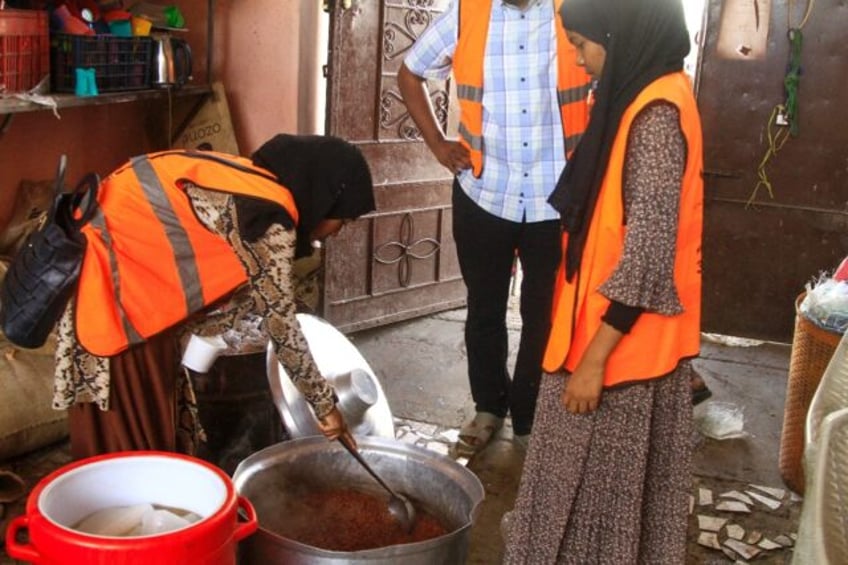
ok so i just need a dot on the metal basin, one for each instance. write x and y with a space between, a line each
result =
445 489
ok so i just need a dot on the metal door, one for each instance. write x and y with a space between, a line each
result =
760 249
399 262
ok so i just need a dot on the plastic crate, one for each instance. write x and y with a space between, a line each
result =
24 49
119 63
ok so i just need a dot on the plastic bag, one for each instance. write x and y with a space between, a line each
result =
721 420
826 304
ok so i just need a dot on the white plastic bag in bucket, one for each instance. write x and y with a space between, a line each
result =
64 498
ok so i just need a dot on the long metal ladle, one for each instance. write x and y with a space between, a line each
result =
399 506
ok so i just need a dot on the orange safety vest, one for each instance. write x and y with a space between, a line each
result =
149 262
573 84
656 342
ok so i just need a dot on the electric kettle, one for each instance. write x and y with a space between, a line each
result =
171 61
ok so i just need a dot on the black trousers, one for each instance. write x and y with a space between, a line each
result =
486 247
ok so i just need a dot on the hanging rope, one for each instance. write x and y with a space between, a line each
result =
792 80
776 137
806 17
776 134
793 71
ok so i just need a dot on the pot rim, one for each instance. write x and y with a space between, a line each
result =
34 508
278 453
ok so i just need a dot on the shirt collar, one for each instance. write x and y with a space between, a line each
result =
530 4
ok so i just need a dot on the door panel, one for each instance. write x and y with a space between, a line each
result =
400 261
759 252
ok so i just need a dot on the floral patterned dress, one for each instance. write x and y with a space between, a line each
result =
612 486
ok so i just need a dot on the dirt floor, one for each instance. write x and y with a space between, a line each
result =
421 366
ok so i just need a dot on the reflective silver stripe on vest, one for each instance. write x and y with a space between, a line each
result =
174 230
475 141
571 141
576 94
99 222
470 93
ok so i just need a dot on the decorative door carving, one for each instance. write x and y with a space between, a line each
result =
400 261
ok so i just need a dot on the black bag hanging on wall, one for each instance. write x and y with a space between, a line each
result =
43 275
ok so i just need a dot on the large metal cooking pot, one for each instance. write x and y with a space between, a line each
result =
444 488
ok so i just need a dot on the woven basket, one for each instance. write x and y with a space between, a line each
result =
812 348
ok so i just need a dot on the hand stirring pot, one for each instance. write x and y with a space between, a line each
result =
399 506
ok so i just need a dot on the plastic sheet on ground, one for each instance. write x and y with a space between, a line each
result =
720 420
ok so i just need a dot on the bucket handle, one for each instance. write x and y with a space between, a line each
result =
247 512
22 552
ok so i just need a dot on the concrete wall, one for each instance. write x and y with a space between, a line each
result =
269 57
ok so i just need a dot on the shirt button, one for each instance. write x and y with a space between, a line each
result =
525 144
522 79
524 111
526 174
521 47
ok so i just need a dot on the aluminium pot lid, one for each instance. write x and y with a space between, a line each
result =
361 398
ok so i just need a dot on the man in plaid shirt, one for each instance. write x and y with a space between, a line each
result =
500 206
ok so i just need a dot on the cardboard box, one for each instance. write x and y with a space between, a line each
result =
211 129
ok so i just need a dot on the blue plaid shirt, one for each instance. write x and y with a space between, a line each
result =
523 149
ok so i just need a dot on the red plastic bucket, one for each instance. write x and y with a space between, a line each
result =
71 493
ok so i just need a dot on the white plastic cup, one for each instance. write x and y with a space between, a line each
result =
201 352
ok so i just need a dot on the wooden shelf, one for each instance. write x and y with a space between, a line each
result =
16 105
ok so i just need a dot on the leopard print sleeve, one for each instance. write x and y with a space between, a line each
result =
274 293
270 293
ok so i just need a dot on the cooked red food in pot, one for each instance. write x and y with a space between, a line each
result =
347 520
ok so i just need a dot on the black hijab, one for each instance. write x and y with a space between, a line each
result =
327 176
644 40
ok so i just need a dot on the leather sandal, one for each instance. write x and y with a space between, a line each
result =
477 433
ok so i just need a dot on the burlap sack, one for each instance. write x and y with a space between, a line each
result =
27 420
31 204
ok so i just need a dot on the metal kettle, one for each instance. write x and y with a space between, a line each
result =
171 61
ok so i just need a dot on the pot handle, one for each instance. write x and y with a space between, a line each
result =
22 552
247 511
182 60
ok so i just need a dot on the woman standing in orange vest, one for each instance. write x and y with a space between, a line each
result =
608 469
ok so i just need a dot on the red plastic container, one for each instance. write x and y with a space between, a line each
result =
24 49
71 493
841 273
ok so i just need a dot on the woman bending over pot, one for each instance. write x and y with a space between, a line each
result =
193 242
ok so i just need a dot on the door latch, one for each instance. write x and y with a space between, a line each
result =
329 5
